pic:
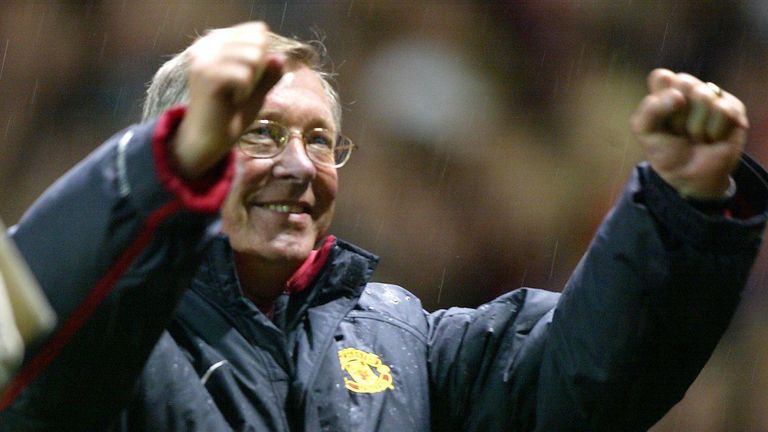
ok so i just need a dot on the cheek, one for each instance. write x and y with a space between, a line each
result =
325 187
252 174
251 171
248 172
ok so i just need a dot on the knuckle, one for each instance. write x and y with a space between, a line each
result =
700 92
686 82
254 56
739 106
241 75
661 76
725 107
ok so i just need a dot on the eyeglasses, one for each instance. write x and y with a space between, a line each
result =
267 139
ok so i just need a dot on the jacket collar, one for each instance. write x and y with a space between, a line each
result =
308 272
336 269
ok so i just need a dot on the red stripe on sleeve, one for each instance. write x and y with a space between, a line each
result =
76 321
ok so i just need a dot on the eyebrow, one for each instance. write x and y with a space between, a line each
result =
314 122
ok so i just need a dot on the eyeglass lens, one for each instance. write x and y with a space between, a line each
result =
269 138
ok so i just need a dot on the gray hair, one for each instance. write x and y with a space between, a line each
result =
169 85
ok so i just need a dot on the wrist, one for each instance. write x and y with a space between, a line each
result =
718 205
721 197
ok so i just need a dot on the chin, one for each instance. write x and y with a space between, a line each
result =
293 255
290 250
276 246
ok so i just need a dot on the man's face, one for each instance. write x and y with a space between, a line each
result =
279 207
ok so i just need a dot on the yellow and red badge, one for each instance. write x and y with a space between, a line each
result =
366 373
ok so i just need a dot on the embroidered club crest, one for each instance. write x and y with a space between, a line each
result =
365 371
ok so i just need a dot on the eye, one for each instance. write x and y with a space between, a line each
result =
320 139
261 140
258 134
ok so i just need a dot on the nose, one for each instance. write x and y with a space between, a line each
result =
294 162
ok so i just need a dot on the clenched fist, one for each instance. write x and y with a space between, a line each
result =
692 133
228 76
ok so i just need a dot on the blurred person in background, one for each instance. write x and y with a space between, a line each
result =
176 318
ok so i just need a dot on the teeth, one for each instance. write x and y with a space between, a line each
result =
284 208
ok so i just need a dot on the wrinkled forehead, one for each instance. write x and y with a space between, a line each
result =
299 95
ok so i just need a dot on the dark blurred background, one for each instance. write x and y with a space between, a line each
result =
494 134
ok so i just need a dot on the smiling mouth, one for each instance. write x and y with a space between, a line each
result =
284 208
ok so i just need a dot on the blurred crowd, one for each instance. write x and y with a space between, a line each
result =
493 134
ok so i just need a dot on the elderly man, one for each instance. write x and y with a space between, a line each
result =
171 321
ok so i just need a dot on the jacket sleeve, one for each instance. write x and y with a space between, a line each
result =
637 320
113 244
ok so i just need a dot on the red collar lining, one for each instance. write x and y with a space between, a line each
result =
309 270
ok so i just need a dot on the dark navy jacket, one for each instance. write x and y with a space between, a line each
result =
141 347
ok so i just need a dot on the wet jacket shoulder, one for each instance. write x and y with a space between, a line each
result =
106 242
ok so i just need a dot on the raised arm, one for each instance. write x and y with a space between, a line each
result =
646 305
115 241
